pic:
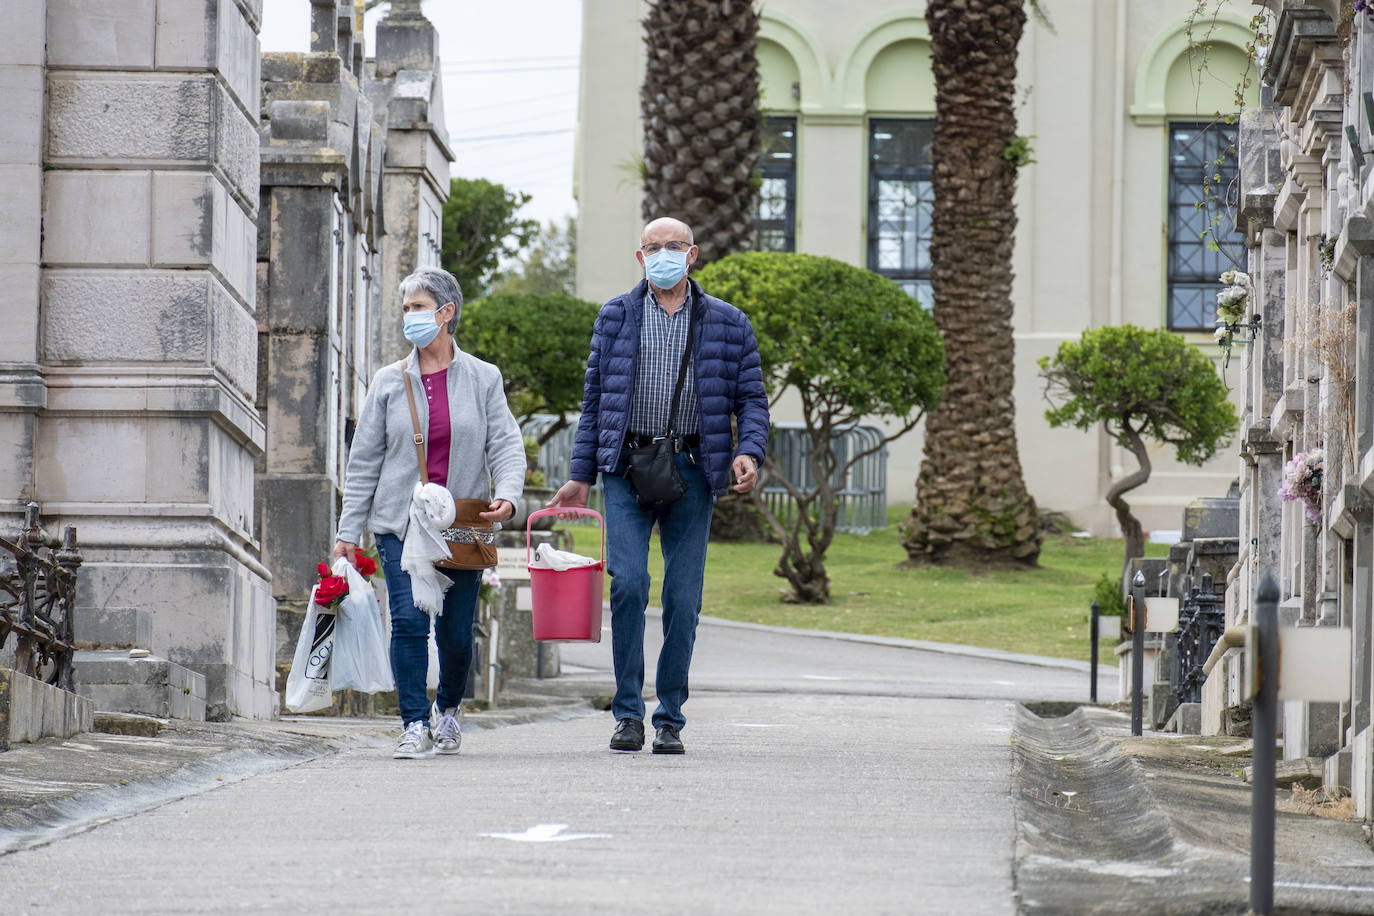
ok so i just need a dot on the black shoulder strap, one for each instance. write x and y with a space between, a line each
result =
682 368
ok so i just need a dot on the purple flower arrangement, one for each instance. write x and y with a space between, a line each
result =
1302 480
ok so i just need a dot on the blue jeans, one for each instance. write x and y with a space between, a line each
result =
410 634
684 528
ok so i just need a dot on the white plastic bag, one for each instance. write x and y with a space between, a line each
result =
360 660
307 686
547 557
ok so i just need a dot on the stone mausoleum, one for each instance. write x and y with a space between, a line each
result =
197 244
1306 205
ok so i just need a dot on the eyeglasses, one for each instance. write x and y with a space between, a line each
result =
655 247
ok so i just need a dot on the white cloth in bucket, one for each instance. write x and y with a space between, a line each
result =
431 511
546 557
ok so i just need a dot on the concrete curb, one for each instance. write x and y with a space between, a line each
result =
1102 829
914 644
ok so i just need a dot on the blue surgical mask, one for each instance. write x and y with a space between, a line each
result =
665 269
421 327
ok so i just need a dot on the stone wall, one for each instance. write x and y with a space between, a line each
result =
196 246
134 375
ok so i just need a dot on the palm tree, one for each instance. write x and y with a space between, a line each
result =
700 106
971 502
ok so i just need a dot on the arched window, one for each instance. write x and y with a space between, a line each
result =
1186 82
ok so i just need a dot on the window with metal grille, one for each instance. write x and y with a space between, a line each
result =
899 202
775 227
1203 241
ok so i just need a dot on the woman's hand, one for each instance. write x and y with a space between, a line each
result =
345 549
498 511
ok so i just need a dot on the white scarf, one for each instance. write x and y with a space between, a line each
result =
423 545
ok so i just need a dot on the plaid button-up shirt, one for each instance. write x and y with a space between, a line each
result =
662 338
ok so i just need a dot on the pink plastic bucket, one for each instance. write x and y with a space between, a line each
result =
566 604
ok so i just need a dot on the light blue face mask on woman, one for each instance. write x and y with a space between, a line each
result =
421 327
665 269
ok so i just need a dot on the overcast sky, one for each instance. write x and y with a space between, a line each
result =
510 87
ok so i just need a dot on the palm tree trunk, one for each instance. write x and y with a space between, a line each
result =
971 502
700 107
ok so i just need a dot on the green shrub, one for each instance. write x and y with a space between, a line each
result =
1107 594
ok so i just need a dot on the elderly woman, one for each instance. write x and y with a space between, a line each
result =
471 442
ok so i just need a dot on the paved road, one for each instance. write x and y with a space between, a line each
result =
822 776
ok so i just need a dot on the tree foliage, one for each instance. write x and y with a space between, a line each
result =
851 344
548 265
481 227
539 343
1140 385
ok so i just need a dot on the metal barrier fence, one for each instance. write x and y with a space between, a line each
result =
37 600
861 493
1201 620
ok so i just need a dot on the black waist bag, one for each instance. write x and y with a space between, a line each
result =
652 469
653 474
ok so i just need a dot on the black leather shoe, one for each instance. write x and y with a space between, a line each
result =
629 735
666 741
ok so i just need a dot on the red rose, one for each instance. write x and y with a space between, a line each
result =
366 565
323 570
330 588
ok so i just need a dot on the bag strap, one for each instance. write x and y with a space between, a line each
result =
415 423
682 368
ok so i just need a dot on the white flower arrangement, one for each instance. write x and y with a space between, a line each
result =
1232 301
1232 304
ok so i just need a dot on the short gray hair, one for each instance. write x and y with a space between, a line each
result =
439 285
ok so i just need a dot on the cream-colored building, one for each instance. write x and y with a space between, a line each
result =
1107 233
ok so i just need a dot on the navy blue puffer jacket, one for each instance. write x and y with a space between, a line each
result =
725 366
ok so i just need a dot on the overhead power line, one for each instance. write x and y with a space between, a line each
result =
462 71
529 133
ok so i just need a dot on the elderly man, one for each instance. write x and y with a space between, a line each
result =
632 384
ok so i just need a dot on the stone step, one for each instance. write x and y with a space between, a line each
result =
150 685
113 628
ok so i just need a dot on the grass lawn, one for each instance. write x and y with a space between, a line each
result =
1040 611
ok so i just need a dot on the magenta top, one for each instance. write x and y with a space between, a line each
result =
437 443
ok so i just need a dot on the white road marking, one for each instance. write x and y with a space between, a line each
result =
547 833
762 725
822 677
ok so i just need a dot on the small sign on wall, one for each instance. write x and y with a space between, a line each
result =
511 563
1314 664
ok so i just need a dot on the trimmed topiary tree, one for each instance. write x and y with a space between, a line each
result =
1140 385
851 344
539 343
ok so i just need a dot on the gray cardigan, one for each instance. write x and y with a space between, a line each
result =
485 445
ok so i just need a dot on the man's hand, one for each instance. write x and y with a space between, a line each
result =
498 511
572 495
345 549
746 473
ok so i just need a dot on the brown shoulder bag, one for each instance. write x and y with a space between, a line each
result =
471 539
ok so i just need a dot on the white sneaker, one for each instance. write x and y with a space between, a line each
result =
416 743
448 734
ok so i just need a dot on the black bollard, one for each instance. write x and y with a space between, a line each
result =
1093 636
1264 724
1137 651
